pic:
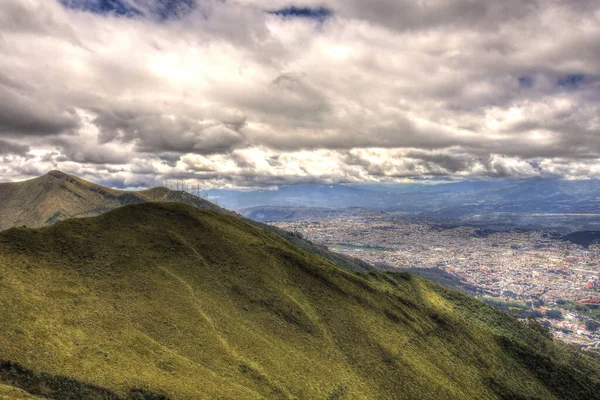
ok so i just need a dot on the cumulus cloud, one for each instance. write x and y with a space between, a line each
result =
261 93
21 114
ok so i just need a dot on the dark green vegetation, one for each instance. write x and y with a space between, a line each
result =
61 387
583 238
592 325
168 300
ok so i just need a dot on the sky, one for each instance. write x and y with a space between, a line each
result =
258 93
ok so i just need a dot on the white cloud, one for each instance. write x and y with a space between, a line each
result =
232 95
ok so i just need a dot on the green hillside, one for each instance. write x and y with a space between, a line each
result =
162 300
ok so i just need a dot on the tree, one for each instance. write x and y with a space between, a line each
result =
554 314
592 325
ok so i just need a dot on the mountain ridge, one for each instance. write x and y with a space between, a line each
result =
57 196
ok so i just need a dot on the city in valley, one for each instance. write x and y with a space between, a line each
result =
528 273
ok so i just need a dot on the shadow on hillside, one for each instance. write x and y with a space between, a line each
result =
63 388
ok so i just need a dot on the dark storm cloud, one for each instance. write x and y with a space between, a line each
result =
7 147
288 97
83 153
450 163
22 115
168 133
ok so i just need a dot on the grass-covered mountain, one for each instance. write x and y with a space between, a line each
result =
156 301
57 196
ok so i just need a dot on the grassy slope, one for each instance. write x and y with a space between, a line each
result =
13 393
196 304
341 260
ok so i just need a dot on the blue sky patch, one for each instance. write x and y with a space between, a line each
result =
526 81
168 9
161 9
101 6
319 13
571 81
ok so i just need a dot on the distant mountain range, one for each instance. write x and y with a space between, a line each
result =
572 205
448 199
168 301
283 213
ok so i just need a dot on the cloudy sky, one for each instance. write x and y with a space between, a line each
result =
266 92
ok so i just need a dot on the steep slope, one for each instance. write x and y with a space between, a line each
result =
162 300
57 196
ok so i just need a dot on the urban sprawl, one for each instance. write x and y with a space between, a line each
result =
556 280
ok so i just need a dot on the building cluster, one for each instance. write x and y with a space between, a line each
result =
514 265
